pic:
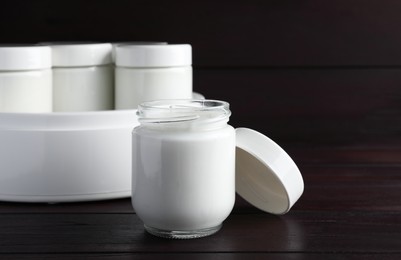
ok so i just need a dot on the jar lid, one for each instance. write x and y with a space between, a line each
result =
266 176
24 57
80 54
160 55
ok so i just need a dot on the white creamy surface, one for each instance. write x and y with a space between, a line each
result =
183 179
137 85
26 91
83 88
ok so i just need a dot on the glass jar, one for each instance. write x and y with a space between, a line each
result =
115 44
25 79
83 77
183 183
152 72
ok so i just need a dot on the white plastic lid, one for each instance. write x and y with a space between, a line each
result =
161 55
266 176
80 54
24 57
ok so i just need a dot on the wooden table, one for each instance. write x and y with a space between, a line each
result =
351 208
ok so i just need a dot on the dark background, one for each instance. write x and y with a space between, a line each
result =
301 72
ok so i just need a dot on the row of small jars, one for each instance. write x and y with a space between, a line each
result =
71 77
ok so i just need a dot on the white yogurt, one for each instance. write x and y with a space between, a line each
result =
183 167
152 72
115 44
83 77
83 89
25 79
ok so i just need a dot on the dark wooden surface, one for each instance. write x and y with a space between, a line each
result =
351 209
224 33
322 78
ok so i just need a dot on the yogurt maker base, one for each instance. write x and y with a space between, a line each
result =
66 157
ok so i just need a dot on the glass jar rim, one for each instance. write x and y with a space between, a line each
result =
183 110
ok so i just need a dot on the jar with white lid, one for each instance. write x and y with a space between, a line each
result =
183 167
25 79
152 72
188 163
83 77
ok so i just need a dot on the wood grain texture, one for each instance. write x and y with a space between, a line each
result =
223 33
374 153
211 256
299 231
310 105
107 206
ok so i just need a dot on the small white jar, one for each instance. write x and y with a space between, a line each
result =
152 72
25 79
183 167
83 77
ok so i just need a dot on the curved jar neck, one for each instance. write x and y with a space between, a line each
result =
184 114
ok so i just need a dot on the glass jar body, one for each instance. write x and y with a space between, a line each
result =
27 91
183 183
137 85
77 89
